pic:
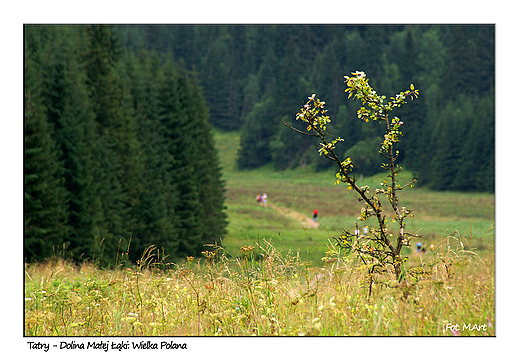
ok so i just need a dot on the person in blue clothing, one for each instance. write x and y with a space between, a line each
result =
264 199
420 248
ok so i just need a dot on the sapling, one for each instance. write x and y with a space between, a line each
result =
375 248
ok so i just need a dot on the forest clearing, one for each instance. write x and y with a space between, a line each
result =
272 276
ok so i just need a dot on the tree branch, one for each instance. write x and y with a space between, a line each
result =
406 185
299 131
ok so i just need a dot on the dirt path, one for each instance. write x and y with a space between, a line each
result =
307 222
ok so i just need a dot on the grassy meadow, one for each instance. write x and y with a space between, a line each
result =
268 277
437 214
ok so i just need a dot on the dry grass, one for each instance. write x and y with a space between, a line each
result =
265 293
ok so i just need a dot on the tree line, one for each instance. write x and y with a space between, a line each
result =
118 151
255 78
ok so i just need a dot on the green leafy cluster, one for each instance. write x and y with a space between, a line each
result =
377 245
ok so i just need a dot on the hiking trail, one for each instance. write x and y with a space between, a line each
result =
307 222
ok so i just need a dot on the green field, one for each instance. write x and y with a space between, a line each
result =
269 278
437 214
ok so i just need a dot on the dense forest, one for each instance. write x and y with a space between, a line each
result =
118 154
255 77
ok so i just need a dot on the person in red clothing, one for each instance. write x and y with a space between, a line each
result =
315 215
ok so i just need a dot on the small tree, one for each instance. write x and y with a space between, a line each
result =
375 248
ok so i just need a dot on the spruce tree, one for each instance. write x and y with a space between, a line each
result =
448 143
179 132
99 62
221 85
117 152
207 171
474 172
45 214
415 112
70 113
290 89
158 223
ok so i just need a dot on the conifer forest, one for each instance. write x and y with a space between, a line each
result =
118 120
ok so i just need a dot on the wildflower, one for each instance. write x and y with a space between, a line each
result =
246 249
209 254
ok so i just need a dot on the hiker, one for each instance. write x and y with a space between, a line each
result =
365 230
315 215
264 199
419 247
259 199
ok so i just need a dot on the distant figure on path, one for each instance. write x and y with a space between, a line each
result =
264 199
315 215
259 199
423 248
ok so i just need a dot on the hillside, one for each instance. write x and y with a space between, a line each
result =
265 72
